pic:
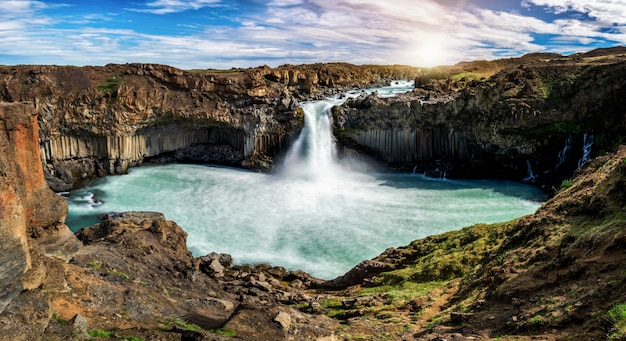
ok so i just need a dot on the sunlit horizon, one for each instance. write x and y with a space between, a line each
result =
219 34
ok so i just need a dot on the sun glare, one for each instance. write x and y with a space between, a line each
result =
430 54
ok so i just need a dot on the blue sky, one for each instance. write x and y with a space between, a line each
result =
201 34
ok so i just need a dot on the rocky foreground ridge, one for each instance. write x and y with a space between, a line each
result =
557 274
554 275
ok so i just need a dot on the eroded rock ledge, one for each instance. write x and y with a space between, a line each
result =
499 119
135 275
102 120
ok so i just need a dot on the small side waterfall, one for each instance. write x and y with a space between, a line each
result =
563 153
531 176
587 143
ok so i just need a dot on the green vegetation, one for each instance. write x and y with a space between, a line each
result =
592 232
177 321
558 85
537 320
330 303
118 273
617 315
434 321
304 307
545 89
224 332
106 334
404 292
428 266
462 79
334 306
111 85
100 333
300 117
94 265
454 254
59 320
567 183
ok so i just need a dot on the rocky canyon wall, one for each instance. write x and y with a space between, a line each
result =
102 120
534 119
27 206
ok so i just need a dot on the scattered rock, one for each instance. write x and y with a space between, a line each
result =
284 319
356 275
459 318
80 327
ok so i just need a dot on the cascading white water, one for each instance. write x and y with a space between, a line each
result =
312 156
587 144
531 175
563 153
314 215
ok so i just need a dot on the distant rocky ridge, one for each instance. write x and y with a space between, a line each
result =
518 118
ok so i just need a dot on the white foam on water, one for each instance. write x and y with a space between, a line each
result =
298 224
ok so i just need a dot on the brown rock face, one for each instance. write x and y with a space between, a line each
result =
495 119
27 206
135 276
102 120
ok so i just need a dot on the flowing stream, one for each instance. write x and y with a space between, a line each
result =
316 213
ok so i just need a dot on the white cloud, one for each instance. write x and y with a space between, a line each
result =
174 6
309 31
605 11
281 3
16 7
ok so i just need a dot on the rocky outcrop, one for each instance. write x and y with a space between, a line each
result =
29 210
102 120
135 277
535 113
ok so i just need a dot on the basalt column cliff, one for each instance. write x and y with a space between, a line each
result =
535 118
103 120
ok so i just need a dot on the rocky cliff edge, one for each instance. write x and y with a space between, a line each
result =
96 121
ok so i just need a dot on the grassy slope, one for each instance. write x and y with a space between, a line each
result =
560 273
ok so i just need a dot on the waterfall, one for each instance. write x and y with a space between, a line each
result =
563 153
587 143
531 176
313 155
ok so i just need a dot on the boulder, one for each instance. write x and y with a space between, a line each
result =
214 264
356 275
